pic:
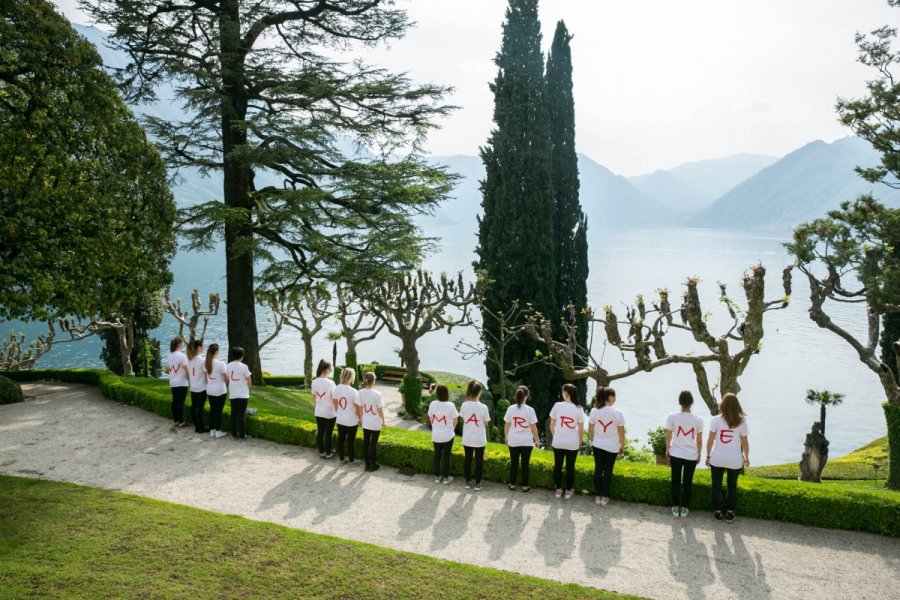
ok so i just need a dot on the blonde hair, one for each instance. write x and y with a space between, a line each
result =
348 376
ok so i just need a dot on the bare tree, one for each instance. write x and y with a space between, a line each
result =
192 320
357 326
644 344
417 303
304 308
122 325
15 355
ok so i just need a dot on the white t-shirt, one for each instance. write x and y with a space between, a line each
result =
197 369
443 420
347 399
321 390
371 401
726 450
178 369
606 422
685 428
520 419
475 417
238 373
567 416
216 380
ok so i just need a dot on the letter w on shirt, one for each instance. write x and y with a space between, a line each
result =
682 433
173 369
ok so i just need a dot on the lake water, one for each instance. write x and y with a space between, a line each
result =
797 355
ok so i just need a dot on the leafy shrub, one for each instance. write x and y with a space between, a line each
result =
10 391
892 414
284 380
657 439
788 501
411 388
858 465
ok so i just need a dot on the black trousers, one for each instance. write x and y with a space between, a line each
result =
370 446
682 480
216 404
478 454
730 499
569 457
239 416
604 462
198 407
178 396
442 458
516 454
347 438
324 434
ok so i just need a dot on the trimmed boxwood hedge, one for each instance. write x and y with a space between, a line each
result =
10 391
788 501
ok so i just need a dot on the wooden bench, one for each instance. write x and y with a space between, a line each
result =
399 375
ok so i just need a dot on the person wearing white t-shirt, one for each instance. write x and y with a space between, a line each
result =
521 436
727 450
239 383
346 407
606 429
567 429
684 440
197 373
443 416
475 417
177 364
216 390
322 387
372 407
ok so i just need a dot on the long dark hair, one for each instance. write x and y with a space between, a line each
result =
194 348
175 344
601 398
731 411
473 390
211 353
441 392
324 365
572 392
522 394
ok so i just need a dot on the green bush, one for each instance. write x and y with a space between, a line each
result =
657 439
858 465
10 391
411 388
892 414
284 380
788 501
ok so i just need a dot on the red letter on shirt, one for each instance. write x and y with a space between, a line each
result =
474 418
233 378
316 394
520 422
173 369
681 432
369 409
342 402
726 435
604 425
567 422
437 419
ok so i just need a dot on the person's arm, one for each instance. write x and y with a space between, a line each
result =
591 425
535 435
700 444
358 409
745 446
381 414
709 445
621 439
580 431
669 442
506 432
552 426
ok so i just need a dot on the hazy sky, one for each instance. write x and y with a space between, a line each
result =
657 82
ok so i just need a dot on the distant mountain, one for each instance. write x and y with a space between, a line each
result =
803 185
695 185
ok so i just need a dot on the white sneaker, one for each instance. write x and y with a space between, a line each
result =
685 512
448 480
437 479
212 433
676 511
604 501
221 434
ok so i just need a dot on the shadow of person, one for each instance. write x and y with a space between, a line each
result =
452 524
344 489
601 545
742 573
298 492
556 537
505 527
689 561
421 514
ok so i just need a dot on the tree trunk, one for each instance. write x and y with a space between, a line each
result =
501 360
307 359
237 187
822 417
410 355
125 333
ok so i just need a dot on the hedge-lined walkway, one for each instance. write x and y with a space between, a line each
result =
393 402
72 433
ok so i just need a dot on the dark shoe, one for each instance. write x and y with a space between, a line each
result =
367 469
243 437
730 516
375 467
202 430
511 487
717 515
343 461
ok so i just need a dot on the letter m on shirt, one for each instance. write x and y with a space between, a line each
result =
682 433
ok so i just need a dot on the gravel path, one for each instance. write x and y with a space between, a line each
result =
393 402
71 433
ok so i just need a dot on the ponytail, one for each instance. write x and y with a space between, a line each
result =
522 394
369 379
572 392
211 353
324 365
473 390
601 398
194 348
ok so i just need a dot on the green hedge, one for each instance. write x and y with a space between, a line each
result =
788 501
10 391
284 380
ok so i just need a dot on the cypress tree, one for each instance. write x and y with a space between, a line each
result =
570 222
516 236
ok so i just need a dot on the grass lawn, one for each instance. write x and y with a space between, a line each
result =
283 402
856 466
59 540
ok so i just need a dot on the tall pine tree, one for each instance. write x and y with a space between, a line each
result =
570 222
516 237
